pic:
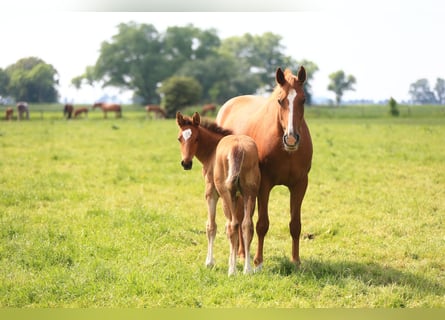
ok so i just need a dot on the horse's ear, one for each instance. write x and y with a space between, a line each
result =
179 118
302 74
196 119
279 76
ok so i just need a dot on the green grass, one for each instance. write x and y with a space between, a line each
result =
99 213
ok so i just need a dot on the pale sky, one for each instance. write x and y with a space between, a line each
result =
385 44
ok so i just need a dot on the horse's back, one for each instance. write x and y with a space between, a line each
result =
236 112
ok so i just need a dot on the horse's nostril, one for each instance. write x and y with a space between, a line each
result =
291 141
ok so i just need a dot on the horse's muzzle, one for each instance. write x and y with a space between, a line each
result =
291 141
186 165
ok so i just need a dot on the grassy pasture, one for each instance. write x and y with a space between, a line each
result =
99 213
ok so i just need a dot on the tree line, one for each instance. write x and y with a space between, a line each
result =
183 66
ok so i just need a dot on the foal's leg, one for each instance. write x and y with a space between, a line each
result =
247 227
212 199
232 226
240 216
296 198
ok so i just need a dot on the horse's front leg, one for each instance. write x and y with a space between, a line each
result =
297 193
262 225
211 227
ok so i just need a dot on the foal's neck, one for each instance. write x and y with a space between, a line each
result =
207 143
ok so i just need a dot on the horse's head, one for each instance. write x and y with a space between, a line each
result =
290 91
188 137
96 104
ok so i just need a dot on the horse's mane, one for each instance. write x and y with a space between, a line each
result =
209 125
212 126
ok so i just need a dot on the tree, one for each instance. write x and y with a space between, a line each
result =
4 80
421 93
440 90
259 55
179 92
139 58
33 80
340 83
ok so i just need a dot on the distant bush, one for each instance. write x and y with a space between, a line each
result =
393 107
179 92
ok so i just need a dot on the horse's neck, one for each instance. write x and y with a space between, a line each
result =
206 146
267 119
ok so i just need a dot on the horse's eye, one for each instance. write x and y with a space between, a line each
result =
280 102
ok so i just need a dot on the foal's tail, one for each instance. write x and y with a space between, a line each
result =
235 159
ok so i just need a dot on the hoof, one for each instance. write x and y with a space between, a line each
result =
258 268
248 271
210 264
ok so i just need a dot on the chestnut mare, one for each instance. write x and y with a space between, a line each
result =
231 168
68 110
156 110
22 108
113 107
284 144
208 108
79 111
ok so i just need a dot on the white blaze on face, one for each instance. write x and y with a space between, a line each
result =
290 97
186 134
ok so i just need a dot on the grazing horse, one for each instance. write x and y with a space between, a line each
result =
79 111
158 112
208 108
22 108
113 107
9 112
231 168
284 144
68 110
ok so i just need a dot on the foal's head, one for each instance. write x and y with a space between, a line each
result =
290 95
188 137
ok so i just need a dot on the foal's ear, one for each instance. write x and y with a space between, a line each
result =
302 74
179 118
196 119
279 76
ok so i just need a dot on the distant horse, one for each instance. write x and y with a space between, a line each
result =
208 108
22 108
113 107
284 144
79 111
68 110
9 112
230 167
157 111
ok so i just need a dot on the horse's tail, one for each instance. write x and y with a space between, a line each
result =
235 161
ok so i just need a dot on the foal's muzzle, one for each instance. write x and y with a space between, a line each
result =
186 165
291 141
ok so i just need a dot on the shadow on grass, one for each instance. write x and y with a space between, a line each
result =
370 274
